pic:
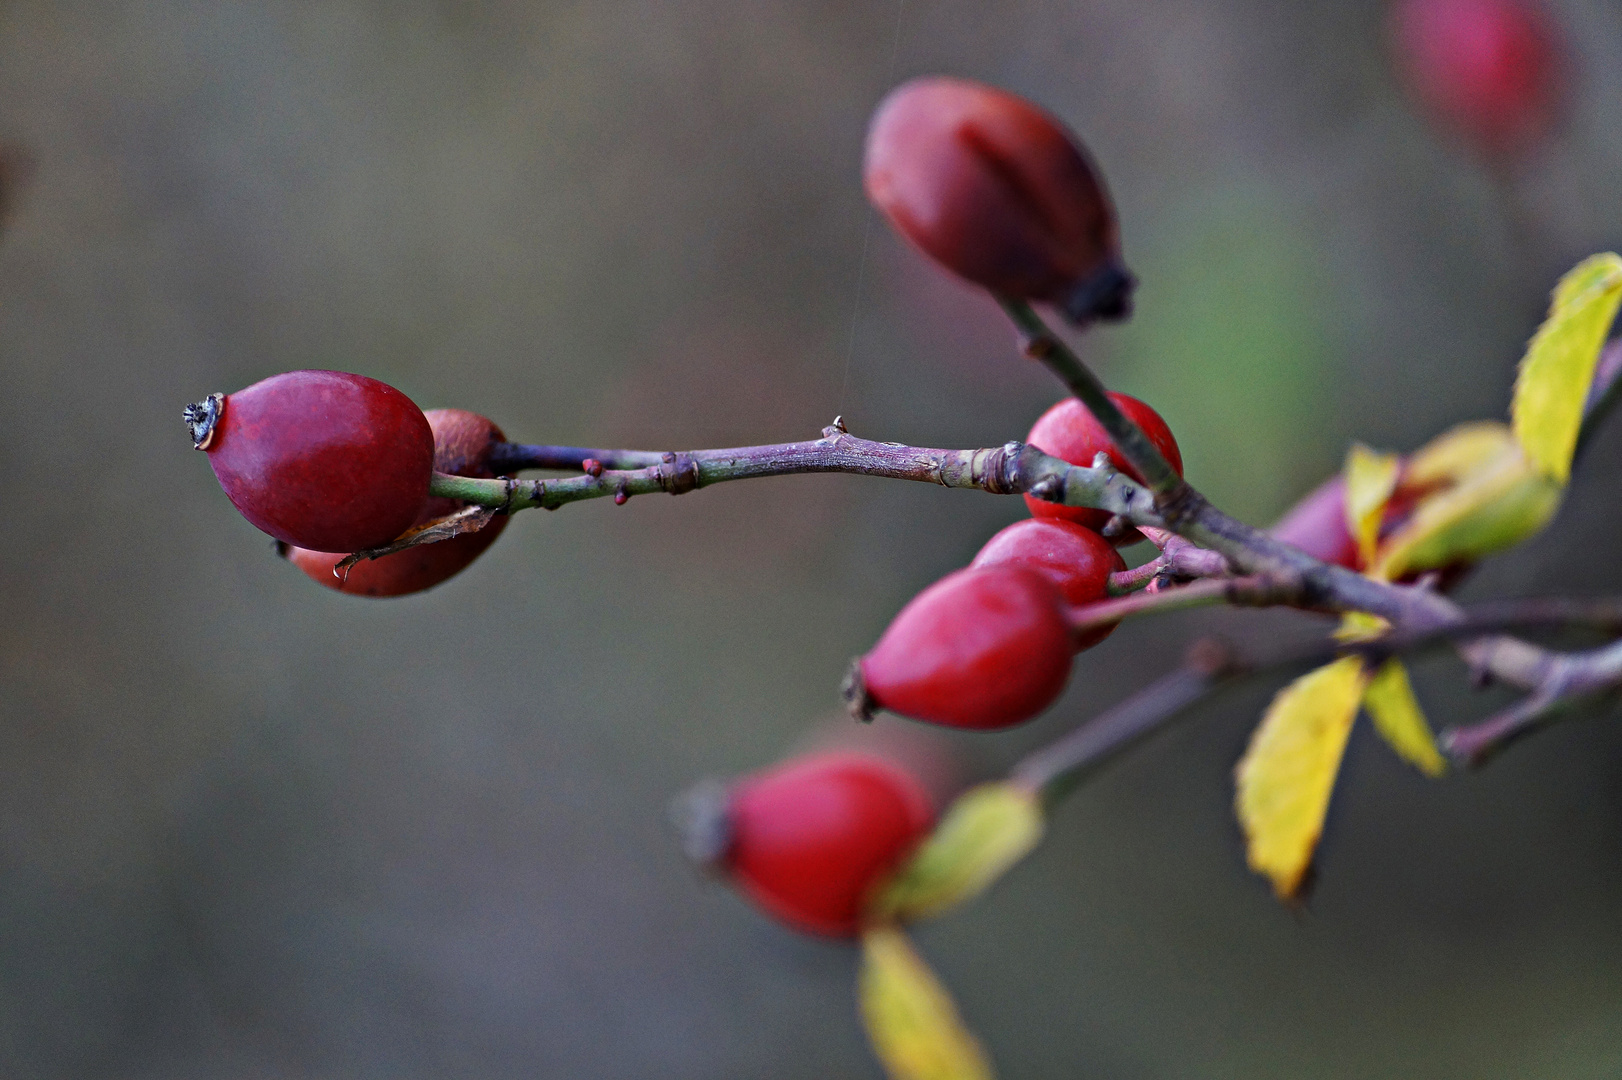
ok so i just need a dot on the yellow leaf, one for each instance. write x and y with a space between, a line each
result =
1490 509
987 830
1361 626
1288 771
1460 451
913 1025
1391 704
1371 477
1559 364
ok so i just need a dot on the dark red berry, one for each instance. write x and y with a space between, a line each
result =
1070 432
811 839
319 459
985 647
1317 525
1074 558
1487 71
462 445
1000 193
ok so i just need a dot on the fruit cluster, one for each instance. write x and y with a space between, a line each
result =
367 494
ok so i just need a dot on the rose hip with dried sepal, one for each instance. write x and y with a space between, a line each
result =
462 444
1000 193
1069 432
1489 71
1076 559
984 647
319 459
810 840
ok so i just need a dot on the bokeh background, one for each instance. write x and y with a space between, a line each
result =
253 828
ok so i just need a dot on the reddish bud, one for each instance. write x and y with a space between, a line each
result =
1000 193
462 445
1068 431
984 647
1488 71
1317 525
319 459
1076 559
812 839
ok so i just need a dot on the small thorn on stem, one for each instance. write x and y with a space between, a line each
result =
839 425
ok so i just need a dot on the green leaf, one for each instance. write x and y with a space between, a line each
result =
910 1019
1371 477
1288 772
1559 364
1390 703
984 833
1490 509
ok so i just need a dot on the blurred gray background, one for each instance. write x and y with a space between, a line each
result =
253 828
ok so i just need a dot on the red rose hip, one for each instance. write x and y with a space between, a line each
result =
462 445
1489 71
812 839
1076 559
1068 431
1000 193
319 459
985 647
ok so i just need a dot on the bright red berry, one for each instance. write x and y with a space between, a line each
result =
985 647
1070 432
1489 71
1317 525
810 840
319 459
999 192
1074 558
462 445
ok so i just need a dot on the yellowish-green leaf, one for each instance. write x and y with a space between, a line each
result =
1460 451
1288 772
1390 703
1371 477
1361 626
987 830
911 1020
1559 363
1491 509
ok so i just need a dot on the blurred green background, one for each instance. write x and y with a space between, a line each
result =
253 828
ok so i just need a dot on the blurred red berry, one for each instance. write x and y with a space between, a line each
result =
985 647
1000 193
319 459
811 839
1076 559
462 445
1070 432
1489 71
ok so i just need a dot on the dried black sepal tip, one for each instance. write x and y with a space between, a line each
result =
858 702
1105 295
702 819
201 416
